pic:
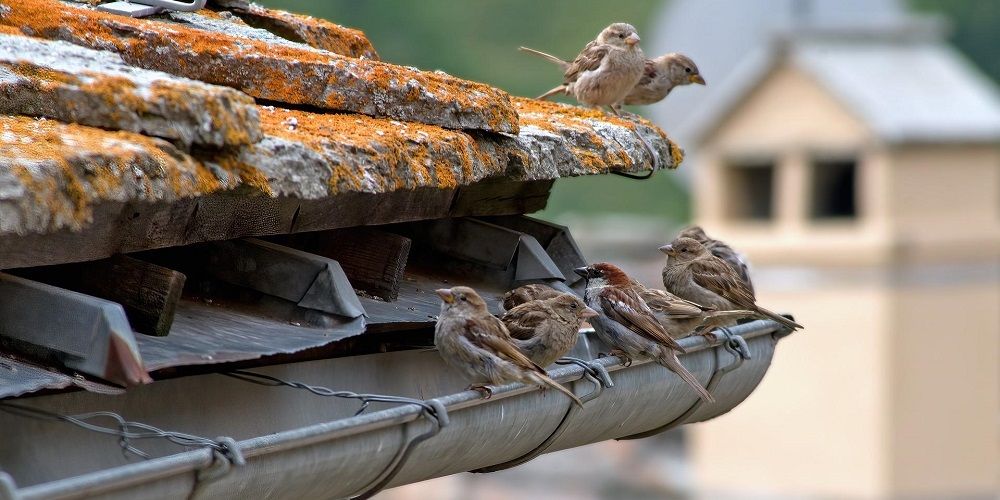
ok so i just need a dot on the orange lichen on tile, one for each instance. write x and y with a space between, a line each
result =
69 168
383 155
318 33
278 72
595 152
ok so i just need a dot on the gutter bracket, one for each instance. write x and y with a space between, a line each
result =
737 347
593 372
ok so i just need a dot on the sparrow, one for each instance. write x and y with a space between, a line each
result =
605 71
693 273
527 293
546 330
478 345
660 75
722 251
628 325
683 318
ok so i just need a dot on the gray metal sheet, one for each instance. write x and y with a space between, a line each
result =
207 334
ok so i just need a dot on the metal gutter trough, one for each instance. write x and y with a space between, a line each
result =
283 442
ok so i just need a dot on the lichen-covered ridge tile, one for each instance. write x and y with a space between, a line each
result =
281 72
77 85
318 33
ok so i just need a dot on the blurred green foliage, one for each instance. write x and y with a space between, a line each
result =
478 40
975 29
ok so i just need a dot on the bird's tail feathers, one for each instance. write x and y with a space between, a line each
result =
780 319
551 58
545 380
561 88
670 361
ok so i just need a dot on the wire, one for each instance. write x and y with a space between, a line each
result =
433 411
125 430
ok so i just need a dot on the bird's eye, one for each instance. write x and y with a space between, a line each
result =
573 306
687 70
621 35
462 298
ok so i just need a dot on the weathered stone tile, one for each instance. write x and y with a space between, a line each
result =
309 30
77 85
282 72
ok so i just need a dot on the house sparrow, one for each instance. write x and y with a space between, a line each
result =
545 330
476 343
682 318
693 273
661 75
628 325
722 251
606 70
527 293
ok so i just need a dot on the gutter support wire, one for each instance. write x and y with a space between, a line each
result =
224 448
737 347
598 375
432 410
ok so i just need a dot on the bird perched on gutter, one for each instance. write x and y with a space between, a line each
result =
660 75
628 325
476 343
527 293
605 71
682 318
721 250
546 330
693 273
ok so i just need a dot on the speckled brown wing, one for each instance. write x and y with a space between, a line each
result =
522 320
648 74
672 306
589 59
490 334
715 275
628 310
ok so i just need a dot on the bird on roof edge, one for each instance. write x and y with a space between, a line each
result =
604 73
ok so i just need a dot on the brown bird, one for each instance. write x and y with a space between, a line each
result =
527 293
546 330
723 251
682 318
476 343
661 75
628 325
693 273
605 71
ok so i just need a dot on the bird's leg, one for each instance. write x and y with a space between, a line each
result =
706 331
482 389
626 359
614 110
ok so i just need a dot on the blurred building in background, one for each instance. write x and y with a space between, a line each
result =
858 165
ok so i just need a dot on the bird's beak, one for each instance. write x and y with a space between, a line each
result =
632 39
697 79
581 272
667 249
588 313
445 294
